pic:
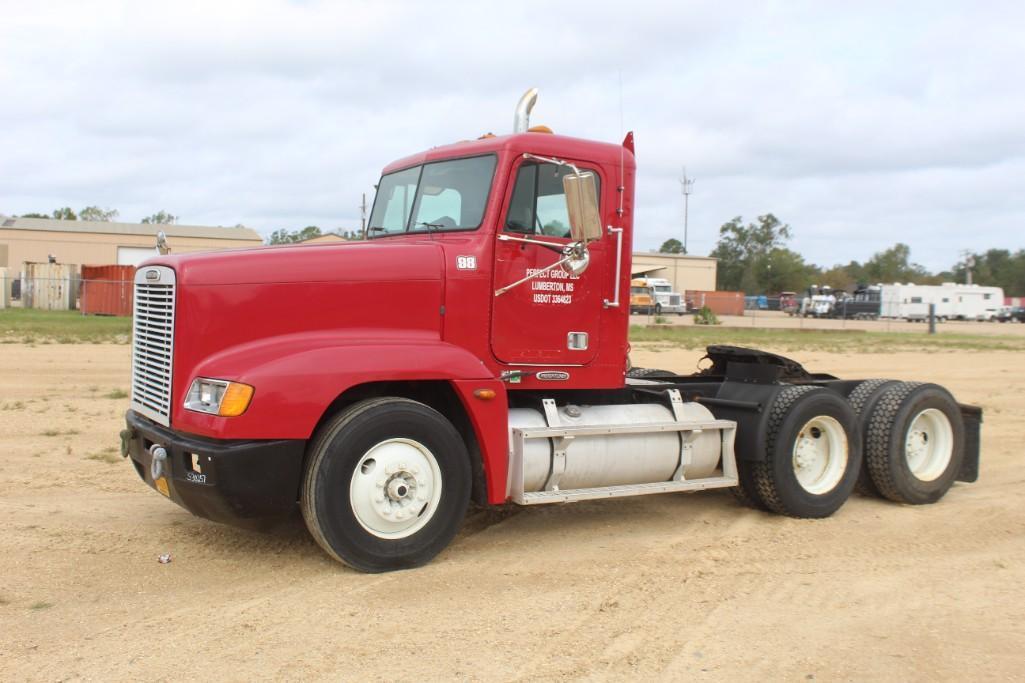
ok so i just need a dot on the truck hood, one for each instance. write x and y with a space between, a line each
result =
358 262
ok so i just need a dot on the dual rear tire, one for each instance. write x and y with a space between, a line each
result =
903 441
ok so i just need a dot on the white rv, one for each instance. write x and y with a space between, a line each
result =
953 301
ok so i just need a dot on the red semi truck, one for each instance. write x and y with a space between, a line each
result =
266 380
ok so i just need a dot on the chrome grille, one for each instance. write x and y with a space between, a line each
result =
674 299
153 342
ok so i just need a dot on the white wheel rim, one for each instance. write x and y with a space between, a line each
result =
820 455
395 488
929 444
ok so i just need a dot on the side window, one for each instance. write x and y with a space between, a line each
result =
538 204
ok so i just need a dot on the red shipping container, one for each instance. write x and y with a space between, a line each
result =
107 290
721 303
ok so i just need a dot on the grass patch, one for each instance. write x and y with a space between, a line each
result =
108 455
41 605
14 405
30 326
116 393
57 432
838 341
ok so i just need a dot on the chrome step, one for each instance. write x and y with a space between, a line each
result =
572 495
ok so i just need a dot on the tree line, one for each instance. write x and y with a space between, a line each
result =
95 213
754 258
285 236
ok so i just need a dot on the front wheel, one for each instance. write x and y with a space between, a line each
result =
387 485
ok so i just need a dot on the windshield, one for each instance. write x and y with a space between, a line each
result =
443 195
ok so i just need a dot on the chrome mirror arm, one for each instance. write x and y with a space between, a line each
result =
551 160
554 246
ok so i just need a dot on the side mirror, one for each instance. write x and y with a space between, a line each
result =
582 205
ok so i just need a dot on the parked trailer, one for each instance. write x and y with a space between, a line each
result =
269 379
952 301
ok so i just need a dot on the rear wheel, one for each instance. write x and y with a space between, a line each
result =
812 456
387 485
914 443
863 400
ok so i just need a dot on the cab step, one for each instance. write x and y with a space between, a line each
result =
573 495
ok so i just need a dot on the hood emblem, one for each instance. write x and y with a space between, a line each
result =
152 275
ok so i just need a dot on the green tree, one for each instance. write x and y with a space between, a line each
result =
95 213
671 246
65 214
161 218
284 236
744 253
34 215
894 265
995 267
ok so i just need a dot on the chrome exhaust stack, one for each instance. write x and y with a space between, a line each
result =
521 121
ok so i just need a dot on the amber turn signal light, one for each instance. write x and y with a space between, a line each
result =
484 394
236 399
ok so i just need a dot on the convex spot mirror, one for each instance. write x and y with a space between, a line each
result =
582 205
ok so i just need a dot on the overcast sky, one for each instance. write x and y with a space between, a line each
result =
859 124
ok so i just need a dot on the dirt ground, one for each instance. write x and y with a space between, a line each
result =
666 587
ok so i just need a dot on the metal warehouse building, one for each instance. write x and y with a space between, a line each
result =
687 273
102 243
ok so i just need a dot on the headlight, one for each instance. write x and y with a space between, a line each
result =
218 397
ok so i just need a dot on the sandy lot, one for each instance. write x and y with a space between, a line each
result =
665 587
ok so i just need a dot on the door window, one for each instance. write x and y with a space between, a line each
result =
538 204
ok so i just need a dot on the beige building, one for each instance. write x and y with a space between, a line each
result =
97 243
687 273
326 238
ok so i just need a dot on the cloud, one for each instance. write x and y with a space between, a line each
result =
857 125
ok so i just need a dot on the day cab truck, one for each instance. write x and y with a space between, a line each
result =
266 380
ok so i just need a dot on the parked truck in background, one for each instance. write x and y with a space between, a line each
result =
666 300
268 380
642 297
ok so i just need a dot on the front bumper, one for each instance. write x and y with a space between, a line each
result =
236 482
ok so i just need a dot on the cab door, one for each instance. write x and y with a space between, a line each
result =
553 318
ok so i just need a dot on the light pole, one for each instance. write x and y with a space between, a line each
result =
686 186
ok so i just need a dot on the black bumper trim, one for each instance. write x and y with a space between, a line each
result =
238 482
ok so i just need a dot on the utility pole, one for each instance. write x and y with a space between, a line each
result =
363 217
969 263
686 186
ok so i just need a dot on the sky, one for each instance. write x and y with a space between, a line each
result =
858 124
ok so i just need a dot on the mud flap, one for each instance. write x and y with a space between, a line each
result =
972 424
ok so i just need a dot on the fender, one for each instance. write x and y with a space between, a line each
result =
297 376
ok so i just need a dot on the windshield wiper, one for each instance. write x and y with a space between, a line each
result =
438 226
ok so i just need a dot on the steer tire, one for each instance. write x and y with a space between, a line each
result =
391 441
890 443
649 373
863 399
799 417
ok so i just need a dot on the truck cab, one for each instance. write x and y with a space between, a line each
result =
269 380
